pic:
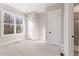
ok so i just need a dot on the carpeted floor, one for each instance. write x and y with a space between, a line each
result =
29 48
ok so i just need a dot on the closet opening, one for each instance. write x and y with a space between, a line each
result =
76 29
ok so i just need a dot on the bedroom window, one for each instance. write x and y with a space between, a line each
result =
18 25
8 24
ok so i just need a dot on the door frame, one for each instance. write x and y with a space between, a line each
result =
68 29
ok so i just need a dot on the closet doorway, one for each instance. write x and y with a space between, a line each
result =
76 29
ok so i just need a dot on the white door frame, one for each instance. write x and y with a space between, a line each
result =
68 29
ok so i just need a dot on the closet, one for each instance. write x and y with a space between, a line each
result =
76 29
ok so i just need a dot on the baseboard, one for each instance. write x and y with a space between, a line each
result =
3 44
61 46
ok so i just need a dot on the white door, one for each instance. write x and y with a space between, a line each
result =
54 27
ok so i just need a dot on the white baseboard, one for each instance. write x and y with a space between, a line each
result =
10 42
61 46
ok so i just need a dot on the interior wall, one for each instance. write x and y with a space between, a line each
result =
68 29
32 26
54 7
41 26
14 37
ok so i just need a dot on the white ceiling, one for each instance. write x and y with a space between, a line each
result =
30 7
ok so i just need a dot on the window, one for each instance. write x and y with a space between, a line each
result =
18 25
8 24
12 23
8 29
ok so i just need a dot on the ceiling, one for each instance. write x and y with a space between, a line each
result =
30 7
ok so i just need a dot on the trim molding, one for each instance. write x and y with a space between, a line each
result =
7 43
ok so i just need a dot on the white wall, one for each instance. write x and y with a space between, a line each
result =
41 25
14 37
36 26
32 26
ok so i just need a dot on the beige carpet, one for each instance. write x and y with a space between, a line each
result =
29 48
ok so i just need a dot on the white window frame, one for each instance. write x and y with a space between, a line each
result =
2 23
21 24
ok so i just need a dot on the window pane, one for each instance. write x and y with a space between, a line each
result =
11 20
18 20
18 29
8 18
8 29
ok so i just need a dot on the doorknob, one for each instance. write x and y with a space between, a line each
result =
49 32
72 36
